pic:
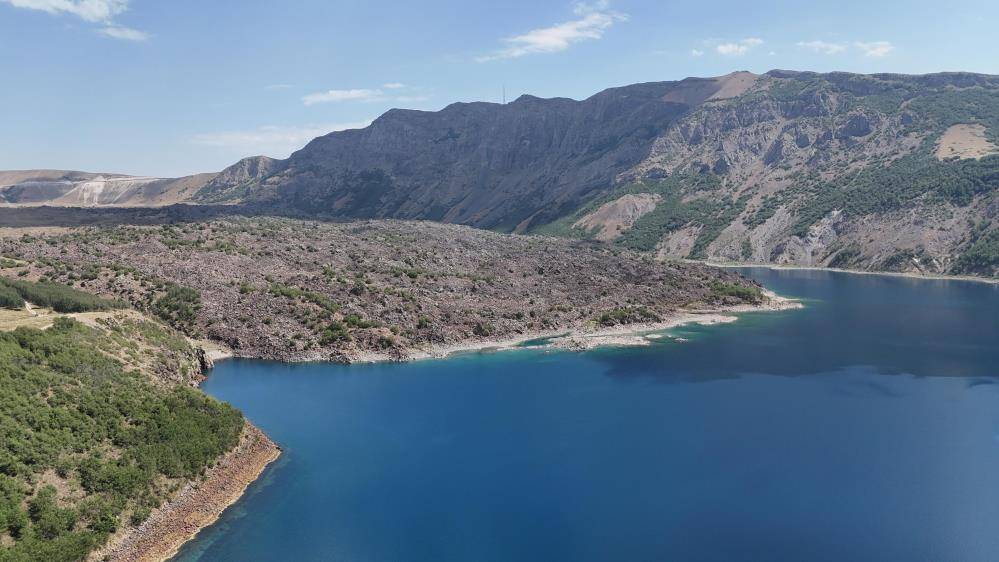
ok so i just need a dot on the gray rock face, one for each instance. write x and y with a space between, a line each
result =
749 163
856 126
785 141
803 147
484 164
231 182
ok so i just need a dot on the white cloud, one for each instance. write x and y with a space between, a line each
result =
738 48
331 96
696 53
93 11
276 141
125 33
875 48
591 23
402 94
823 47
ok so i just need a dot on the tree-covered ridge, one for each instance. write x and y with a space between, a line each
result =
61 298
982 257
88 446
899 185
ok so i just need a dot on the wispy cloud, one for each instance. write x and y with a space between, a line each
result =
738 48
124 33
397 92
92 11
868 49
875 48
279 86
272 140
823 47
593 19
696 53
333 96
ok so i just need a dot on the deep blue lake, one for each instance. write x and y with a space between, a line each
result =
863 428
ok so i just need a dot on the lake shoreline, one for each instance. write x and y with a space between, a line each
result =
591 337
578 338
200 504
195 507
792 267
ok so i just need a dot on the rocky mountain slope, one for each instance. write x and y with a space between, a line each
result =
880 172
508 167
82 189
886 172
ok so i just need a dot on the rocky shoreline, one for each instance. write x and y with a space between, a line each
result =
196 506
590 337
579 338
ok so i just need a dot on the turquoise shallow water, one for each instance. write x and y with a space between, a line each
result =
864 427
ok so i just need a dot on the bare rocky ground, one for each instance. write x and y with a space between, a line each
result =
301 290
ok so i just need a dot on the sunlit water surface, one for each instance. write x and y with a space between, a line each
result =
864 427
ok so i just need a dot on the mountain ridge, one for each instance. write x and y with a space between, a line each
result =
882 171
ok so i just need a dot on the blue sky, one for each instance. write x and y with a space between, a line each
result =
181 86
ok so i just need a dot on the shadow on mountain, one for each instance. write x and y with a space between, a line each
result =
19 217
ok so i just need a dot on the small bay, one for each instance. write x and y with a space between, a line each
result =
862 427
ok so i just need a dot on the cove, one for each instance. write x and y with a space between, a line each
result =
863 427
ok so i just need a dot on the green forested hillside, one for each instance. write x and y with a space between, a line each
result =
87 445
58 297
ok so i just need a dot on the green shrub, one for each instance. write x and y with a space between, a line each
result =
627 315
10 298
981 258
721 290
287 291
179 306
483 329
58 297
336 332
356 321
